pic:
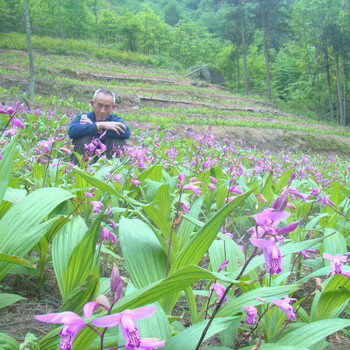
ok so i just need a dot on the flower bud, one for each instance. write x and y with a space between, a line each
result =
104 302
318 284
260 197
116 284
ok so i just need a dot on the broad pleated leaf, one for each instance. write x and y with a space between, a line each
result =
158 219
83 293
225 249
144 256
271 346
188 339
8 299
64 242
6 165
193 252
153 173
102 186
235 305
7 342
287 248
14 195
26 242
311 333
148 295
21 228
81 261
157 193
186 227
334 295
335 244
16 260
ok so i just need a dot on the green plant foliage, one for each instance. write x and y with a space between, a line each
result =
20 233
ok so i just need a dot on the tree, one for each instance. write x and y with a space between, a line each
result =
75 19
271 14
31 82
108 26
172 13
60 22
6 21
96 7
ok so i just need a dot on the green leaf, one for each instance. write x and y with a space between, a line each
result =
188 339
267 190
32 339
63 244
283 182
155 326
335 244
157 193
186 227
153 173
193 252
225 249
16 260
311 333
175 282
334 295
82 259
7 342
14 195
144 256
21 227
8 299
32 236
287 248
6 165
235 305
158 218
84 292
268 346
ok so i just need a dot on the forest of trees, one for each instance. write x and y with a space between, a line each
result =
297 51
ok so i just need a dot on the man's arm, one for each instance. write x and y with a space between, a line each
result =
115 128
80 127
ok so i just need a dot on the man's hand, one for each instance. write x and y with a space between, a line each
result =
85 120
117 127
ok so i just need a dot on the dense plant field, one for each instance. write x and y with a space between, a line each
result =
254 243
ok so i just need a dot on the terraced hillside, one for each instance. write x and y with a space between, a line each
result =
169 99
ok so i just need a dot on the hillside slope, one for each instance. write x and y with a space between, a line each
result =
154 97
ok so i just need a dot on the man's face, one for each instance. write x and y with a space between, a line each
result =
102 106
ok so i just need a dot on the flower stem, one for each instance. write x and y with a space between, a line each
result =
171 234
222 300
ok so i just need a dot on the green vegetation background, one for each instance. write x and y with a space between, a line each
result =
305 42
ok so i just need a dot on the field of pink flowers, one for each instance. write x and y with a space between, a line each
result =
253 227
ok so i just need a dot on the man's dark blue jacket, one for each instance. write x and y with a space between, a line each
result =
77 130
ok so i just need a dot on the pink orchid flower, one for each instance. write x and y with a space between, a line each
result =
223 265
283 304
126 321
134 181
17 122
272 253
73 323
195 189
107 234
97 206
336 262
219 289
251 314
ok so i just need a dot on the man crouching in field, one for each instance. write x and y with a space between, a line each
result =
106 129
